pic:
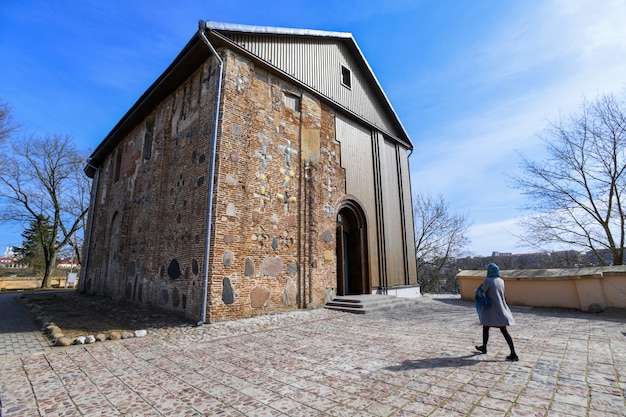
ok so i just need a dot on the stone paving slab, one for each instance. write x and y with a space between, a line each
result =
416 361
19 334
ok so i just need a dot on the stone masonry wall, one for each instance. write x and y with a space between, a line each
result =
278 183
149 222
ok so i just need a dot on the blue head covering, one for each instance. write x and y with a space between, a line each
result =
493 271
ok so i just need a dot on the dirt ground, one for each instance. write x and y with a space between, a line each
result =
82 315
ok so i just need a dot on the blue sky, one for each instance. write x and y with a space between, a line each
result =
474 83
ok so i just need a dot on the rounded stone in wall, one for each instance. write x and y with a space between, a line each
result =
175 298
327 236
231 210
272 266
237 131
330 295
231 180
195 267
256 217
292 268
290 293
228 295
173 270
228 258
250 270
259 296
164 297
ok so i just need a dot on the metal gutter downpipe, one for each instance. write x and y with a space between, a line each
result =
209 215
92 209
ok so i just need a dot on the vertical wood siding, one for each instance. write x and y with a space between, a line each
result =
357 160
409 228
394 242
317 63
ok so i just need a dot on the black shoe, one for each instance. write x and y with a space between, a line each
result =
481 349
512 357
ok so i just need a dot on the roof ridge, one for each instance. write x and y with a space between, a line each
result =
235 27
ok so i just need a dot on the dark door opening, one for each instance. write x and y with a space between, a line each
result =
352 275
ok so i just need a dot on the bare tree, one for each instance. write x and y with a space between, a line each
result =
7 124
439 236
43 179
578 192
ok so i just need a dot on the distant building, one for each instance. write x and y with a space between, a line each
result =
264 170
68 263
9 260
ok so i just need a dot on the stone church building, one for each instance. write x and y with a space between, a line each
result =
264 170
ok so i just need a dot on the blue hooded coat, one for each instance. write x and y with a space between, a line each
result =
498 313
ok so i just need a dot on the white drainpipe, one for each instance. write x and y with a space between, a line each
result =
207 253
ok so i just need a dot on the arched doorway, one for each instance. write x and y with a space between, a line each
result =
352 260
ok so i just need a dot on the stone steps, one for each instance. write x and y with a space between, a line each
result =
368 303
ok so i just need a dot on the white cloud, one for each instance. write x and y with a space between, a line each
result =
499 236
536 63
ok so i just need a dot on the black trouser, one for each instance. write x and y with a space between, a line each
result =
506 335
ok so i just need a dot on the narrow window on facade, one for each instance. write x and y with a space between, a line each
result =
346 79
148 139
118 164
292 102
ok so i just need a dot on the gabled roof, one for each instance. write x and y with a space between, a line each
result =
235 36
311 58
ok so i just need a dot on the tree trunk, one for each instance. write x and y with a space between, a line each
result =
50 261
47 278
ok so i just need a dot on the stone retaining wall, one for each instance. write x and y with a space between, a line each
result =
588 289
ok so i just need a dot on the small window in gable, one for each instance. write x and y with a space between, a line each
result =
346 77
292 102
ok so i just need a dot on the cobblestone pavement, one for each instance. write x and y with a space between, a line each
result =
417 361
19 335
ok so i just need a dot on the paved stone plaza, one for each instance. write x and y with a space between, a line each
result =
324 363
19 335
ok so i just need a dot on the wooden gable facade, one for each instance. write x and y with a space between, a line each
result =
264 170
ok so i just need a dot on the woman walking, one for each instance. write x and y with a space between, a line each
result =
497 314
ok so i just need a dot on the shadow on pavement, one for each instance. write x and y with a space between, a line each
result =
441 362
